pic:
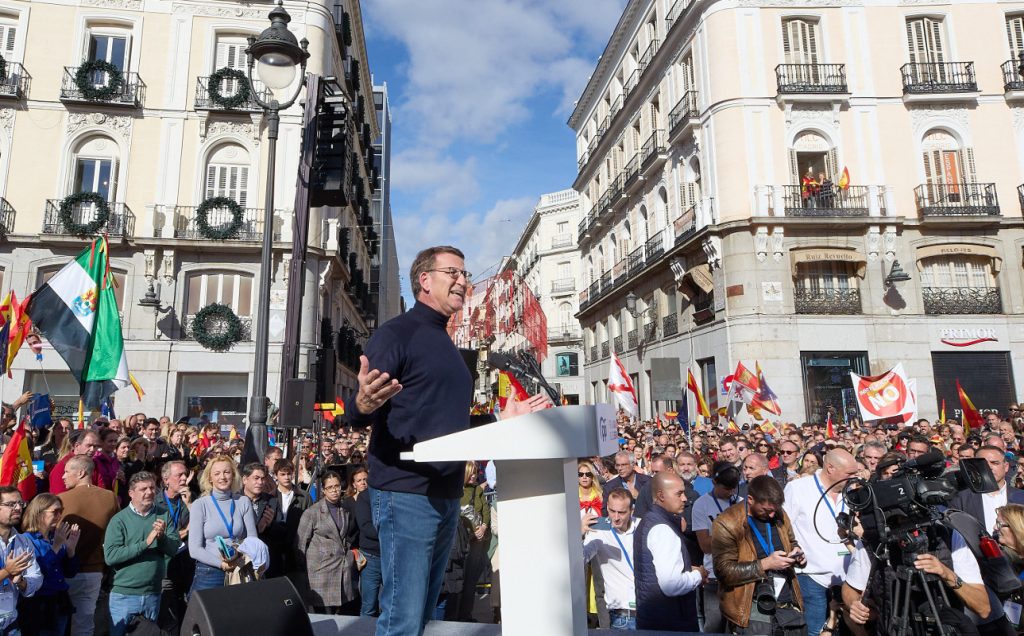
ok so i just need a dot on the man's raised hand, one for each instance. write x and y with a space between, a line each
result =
375 387
515 408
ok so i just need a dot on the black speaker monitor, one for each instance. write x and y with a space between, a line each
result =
297 406
326 364
271 606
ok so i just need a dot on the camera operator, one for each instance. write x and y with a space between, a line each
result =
755 551
954 565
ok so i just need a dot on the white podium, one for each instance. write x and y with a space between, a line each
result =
542 585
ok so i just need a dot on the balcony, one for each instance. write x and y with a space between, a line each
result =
631 82
957 200
15 82
593 352
186 327
685 225
670 325
594 290
654 247
962 300
683 115
561 240
606 281
832 302
602 128
811 81
635 261
703 308
618 344
648 55
851 202
652 153
584 158
131 92
634 338
1013 81
631 172
939 81
120 223
604 349
616 106
676 12
564 332
563 285
251 230
6 218
229 88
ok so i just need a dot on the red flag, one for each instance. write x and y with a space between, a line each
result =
829 430
16 464
506 385
972 418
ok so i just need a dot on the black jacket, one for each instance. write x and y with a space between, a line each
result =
368 543
971 503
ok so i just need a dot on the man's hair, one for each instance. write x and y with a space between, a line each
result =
666 461
875 445
620 493
82 463
725 474
6 490
628 455
686 454
989 447
274 450
426 260
758 459
150 420
965 446
253 467
919 439
728 439
765 489
165 470
141 476
284 465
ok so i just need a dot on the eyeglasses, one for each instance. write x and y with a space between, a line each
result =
786 452
454 273
13 504
584 474
332 488
764 446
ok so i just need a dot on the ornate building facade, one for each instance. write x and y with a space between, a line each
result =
114 98
753 172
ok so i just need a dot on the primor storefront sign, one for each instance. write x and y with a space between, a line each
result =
966 337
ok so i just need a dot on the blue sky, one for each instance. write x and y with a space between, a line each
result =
480 93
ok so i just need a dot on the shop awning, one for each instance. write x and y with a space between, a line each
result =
818 254
958 249
701 277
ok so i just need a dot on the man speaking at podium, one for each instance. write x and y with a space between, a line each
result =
414 386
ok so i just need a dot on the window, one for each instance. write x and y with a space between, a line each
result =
95 167
800 41
45 274
924 40
684 73
111 45
229 288
812 155
958 271
1015 35
8 36
562 227
230 54
564 312
945 163
567 363
227 173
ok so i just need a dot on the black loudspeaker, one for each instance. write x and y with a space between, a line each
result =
297 405
271 606
324 367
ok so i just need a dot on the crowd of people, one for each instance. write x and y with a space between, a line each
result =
769 545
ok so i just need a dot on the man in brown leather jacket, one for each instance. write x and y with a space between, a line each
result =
753 542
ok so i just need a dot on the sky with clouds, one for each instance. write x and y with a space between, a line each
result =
480 94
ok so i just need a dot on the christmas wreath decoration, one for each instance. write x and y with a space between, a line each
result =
217 78
227 327
84 76
222 232
66 215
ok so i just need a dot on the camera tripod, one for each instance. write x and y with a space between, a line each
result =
918 600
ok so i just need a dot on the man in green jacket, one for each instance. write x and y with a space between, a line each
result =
137 545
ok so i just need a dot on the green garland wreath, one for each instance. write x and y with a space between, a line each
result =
223 232
66 215
232 327
84 76
241 95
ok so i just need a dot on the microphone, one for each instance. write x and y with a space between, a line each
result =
505 362
927 463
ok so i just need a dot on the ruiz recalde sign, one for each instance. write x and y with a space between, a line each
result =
966 337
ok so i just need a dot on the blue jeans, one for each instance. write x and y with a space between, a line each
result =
815 603
624 620
369 586
416 533
124 607
206 578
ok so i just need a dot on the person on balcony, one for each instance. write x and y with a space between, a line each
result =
809 189
826 191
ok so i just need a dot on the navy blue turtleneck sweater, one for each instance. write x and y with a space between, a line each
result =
437 390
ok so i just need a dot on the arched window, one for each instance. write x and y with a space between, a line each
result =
233 289
946 163
227 173
827 287
95 165
661 205
959 284
564 313
44 274
812 154
642 229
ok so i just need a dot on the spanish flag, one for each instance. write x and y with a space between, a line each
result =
691 384
506 385
942 413
844 180
830 430
971 417
16 464
732 427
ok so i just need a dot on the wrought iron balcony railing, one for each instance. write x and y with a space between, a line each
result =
1012 79
801 201
654 247
670 325
186 227
635 261
229 88
616 106
120 222
604 349
648 54
6 217
186 327
15 81
962 300
561 240
618 344
631 171
132 91
676 12
654 146
957 199
938 77
685 225
819 79
683 113
593 352
808 300
606 281
564 332
631 82
563 285
594 290
634 338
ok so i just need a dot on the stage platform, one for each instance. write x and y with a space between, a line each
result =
364 626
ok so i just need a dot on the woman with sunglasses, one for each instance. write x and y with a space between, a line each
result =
590 492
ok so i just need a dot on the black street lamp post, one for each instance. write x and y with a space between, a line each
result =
276 54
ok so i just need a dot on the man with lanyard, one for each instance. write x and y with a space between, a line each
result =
626 478
725 478
19 572
745 560
173 502
612 550
269 524
812 506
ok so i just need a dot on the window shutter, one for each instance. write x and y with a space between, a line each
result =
969 172
8 35
794 167
1015 34
211 181
935 51
811 54
916 40
832 164
243 185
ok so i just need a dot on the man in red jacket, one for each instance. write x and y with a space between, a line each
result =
83 444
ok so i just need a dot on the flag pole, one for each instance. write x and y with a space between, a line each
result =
39 359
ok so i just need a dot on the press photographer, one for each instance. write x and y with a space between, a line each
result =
755 552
